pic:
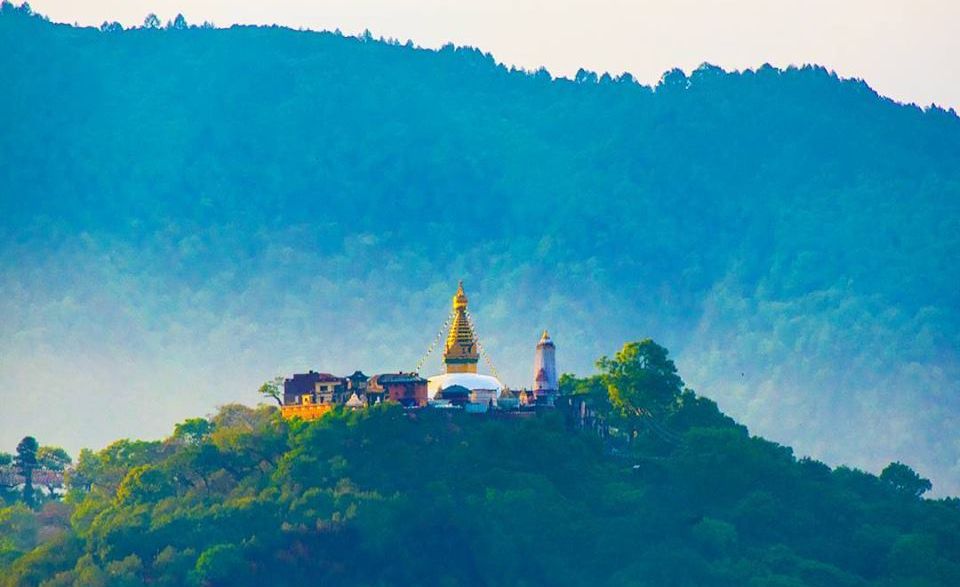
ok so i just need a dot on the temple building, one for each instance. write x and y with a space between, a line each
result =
460 358
406 389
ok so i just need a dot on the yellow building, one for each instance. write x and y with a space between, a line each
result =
307 409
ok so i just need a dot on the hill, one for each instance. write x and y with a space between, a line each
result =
187 212
387 497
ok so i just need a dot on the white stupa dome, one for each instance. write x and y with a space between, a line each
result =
472 381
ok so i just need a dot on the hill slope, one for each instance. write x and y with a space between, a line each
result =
381 497
184 213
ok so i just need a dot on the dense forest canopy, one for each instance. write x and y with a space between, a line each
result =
185 212
674 494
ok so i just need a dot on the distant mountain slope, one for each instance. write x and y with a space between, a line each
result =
185 213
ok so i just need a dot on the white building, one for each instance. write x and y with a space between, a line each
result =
546 387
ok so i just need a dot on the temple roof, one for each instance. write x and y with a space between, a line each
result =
386 378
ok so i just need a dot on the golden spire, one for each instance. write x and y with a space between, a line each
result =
460 355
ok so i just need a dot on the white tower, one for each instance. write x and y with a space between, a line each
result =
545 386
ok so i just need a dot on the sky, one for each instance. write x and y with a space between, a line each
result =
907 50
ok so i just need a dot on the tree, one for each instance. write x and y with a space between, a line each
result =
593 388
905 480
542 74
26 463
19 527
642 384
641 379
192 431
52 462
715 536
674 79
218 563
103 471
8 478
585 76
179 23
144 483
273 389
53 458
151 21
79 479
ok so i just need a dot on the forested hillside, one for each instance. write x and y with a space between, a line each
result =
186 212
675 494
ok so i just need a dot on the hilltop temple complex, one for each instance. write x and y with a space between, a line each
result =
311 395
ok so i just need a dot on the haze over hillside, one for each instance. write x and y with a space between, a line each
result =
186 213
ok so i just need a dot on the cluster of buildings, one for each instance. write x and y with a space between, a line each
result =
460 387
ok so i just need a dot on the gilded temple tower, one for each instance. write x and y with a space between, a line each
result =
460 355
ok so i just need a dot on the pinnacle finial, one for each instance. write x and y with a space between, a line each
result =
460 298
545 338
